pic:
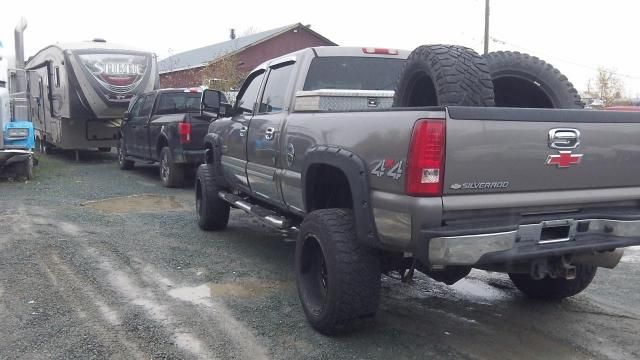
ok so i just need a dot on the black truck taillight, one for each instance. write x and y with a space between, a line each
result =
425 162
184 130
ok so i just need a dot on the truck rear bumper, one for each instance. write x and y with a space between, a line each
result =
525 242
195 157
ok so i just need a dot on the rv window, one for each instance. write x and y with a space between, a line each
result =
57 76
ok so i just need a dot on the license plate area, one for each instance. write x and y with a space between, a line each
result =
556 231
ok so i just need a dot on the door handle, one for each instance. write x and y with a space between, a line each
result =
243 131
269 134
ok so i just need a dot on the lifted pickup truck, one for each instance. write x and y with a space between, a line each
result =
164 126
545 195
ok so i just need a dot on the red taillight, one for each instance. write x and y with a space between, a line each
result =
380 51
184 130
425 163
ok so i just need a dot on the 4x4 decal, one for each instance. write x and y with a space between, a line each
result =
388 167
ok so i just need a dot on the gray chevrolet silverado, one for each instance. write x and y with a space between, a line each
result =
441 182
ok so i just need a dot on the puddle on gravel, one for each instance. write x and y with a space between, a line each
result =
245 289
135 204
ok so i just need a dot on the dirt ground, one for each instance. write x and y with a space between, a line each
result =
100 263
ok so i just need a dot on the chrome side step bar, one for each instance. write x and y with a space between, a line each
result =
270 217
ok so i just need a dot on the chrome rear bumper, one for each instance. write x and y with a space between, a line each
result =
544 239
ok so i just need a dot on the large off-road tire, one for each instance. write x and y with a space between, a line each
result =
171 174
338 278
123 163
521 80
212 212
438 75
555 289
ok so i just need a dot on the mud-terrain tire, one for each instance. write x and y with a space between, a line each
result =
171 174
212 212
522 80
338 279
123 163
554 289
438 75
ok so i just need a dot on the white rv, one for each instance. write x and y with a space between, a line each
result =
77 92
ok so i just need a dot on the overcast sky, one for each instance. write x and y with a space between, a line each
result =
576 36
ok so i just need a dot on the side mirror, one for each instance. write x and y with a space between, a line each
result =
212 104
126 116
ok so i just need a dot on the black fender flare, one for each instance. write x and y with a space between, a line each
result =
213 156
355 169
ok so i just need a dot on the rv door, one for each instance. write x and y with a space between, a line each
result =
35 91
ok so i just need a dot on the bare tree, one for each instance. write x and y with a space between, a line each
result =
607 86
223 74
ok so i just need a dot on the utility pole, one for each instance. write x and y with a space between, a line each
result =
486 26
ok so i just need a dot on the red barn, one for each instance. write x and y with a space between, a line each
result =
200 66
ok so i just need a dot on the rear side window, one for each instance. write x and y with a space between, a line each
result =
353 73
274 91
148 104
178 102
135 110
248 97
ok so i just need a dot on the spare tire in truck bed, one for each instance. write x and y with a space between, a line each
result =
521 80
438 75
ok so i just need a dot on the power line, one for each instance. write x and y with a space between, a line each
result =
495 40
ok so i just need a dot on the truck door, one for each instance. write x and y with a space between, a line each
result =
264 152
233 131
141 132
130 126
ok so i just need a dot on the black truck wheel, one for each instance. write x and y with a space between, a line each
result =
123 163
438 75
521 80
171 174
213 212
338 279
554 289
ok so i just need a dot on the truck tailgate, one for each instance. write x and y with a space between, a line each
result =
499 150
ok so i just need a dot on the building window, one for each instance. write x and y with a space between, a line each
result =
57 76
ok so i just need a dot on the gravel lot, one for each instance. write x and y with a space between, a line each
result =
100 263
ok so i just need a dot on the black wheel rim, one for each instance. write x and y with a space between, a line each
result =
314 276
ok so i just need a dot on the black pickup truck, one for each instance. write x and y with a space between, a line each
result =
164 126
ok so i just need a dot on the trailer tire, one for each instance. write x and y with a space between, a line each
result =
522 80
171 174
338 278
212 212
554 289
123 163
439 75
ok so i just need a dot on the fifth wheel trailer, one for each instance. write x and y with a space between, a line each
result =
78 92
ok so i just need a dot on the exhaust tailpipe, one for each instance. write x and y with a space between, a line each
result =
19 43
608 259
